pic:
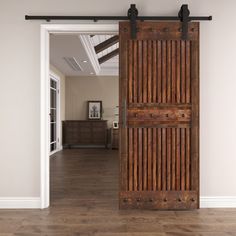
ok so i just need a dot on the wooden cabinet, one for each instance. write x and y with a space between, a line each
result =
84 133
114 134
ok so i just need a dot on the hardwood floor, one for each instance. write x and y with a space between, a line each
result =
84 202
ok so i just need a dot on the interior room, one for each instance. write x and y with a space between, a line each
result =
117 118
84 101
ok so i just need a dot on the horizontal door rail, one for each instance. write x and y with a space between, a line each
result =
132 16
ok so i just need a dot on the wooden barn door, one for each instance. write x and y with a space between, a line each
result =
159 116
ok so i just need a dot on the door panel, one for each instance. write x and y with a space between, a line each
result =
159 113
53 114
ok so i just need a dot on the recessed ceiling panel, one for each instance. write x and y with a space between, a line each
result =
68 53
75 57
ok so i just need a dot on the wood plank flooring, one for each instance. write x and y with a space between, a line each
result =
84 202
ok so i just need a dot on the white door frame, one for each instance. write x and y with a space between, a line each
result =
46 29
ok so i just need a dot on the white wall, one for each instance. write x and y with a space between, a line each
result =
62 97
79 90
20 87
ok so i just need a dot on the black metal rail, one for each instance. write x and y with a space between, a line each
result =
97 18
132 15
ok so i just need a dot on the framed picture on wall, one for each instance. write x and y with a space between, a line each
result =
94 110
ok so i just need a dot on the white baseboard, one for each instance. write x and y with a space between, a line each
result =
218 202
34 202
20 203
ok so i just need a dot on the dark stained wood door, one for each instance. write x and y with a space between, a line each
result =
159 116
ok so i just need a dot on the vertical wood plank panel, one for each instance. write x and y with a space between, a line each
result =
195 116
149 130
173 72
163 50
154 158
130 166
154 71
130 69
183 75
182 159
145 170
145 86
140 158
168 66
130 96
149 72
187 159
188 79
140 72
159 71
163 159
178 64
135 79
145 71
135 142
123 61
178 159
159 159
173 159
168 130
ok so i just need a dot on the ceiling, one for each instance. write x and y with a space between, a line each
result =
77 55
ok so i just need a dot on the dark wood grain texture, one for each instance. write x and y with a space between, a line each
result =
123 59
161 74
195 113
84 133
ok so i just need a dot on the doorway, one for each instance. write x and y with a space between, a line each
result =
169 59
46 30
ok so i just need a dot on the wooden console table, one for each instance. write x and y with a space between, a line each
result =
84 133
